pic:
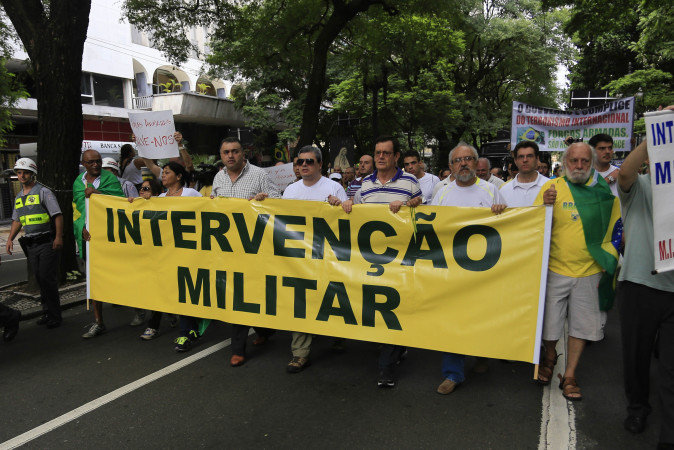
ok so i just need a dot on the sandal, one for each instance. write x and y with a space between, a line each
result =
569 386
545 370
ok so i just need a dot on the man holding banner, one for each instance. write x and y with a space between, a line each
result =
646 296
240 179
92 181
586 232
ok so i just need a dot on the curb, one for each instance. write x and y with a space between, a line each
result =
37 311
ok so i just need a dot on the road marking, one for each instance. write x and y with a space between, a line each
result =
36 432
558 416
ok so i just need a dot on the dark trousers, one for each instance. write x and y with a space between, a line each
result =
7 314
240 337
389 356
43 260
647 313
187 324
155 319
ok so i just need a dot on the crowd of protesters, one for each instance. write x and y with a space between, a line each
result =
589 187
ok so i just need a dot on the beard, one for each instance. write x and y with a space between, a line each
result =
465 178
579 176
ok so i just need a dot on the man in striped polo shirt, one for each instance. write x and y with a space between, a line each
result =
388 185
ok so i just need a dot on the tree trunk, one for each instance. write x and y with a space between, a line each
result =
340 17
54 41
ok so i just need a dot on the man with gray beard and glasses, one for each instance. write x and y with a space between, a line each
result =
586 232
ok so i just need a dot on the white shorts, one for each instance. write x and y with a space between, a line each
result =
580 298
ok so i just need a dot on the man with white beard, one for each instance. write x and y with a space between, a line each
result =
586 231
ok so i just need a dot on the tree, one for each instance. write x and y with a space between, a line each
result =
53 34
278 47
10 89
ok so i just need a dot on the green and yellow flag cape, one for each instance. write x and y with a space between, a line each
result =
599 212
109 185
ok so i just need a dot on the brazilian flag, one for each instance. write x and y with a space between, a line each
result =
599 212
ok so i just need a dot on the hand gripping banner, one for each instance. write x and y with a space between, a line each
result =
460 280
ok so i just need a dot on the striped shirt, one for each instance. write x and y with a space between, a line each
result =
353 187
401 187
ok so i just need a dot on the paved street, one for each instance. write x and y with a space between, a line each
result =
45 374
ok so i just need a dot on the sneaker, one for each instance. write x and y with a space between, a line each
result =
183 344
96 329
386 379
150 333
42 320
138 319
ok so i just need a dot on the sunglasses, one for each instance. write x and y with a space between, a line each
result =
145 189
309 161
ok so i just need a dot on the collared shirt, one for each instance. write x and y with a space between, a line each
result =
401 187
251 181
496 180
518 194
427 183
96 183
481 194
353 187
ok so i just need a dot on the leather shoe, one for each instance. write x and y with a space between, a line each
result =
237 360
12 327
635 424
42 320
447 387
51 323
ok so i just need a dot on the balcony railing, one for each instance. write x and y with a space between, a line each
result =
144 102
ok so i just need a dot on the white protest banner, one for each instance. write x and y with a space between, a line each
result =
281 175
659 135
154 134
549 127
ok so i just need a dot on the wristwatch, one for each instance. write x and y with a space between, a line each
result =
610 179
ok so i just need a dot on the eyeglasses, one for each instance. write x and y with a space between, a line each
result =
465 158
309 161
145 189
382 153
93 161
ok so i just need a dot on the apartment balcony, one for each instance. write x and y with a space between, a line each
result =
192 107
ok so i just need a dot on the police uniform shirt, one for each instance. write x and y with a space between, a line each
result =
46 199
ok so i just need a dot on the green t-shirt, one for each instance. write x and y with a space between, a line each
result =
637 212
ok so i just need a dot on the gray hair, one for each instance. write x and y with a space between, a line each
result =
459 145
593 155
488 162
311 149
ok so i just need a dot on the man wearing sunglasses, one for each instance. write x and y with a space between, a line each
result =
312 186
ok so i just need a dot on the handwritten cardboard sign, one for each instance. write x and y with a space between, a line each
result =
154 134
281 175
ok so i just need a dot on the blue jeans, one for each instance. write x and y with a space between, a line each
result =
452 367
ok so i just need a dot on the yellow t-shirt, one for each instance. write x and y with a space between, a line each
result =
569 255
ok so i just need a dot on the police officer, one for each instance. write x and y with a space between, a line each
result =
38 212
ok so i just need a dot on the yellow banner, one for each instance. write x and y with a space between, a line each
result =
455 279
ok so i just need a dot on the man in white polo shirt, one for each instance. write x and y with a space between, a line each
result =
523 189
312 186
471 191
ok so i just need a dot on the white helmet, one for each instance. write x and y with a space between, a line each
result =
26 164
111 163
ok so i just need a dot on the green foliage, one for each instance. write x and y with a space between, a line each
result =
11 89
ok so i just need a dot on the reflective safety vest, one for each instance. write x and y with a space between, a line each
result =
33 216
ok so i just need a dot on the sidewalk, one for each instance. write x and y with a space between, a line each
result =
29 303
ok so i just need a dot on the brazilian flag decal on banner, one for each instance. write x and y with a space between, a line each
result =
599 212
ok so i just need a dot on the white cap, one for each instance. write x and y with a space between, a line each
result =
111 163
26 164
335 176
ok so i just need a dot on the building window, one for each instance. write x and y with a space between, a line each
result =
101 90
